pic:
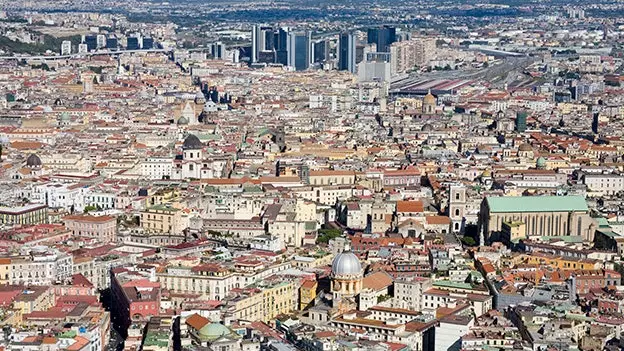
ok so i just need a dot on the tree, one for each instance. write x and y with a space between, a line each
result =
468 241
90 208
325 235
382 298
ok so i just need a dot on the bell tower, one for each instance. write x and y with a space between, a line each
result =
457 207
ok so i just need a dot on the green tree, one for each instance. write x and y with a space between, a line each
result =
382 298
325 235
90 208
468 240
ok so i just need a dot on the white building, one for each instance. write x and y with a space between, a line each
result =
66 47
450 330
408 293
57 195
100 199
157 167
193 164
604 184
40 266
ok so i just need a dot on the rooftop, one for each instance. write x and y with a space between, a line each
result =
537 204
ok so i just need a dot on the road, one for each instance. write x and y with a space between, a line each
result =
116 342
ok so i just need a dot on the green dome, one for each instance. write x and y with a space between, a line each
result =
541 162
214 331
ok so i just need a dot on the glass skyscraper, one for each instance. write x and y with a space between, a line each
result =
346 52
383 37
299 50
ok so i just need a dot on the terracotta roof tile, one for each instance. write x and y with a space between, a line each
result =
415 206
196 321
377 281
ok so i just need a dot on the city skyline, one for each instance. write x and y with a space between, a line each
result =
319 176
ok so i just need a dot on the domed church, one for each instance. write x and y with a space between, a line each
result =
346 276
188 111
349 289
429 104
208 335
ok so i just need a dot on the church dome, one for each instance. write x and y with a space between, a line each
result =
427 128
214 331
192 143
200 97
183 121
541 162
33 161
65 117
429 99
346 263
525 147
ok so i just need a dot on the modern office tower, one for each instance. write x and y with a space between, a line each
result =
299 50
320 51
217 50
596 123
266 56
232 55
576 13
574 91
269 40
66 47
255 43
133 43
346 52
91 41
82 48
371 35
259 37
383 37
280 44
112 43
101 41
148 43
521 118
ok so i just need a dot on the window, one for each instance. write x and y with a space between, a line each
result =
457 212
456 196
579 226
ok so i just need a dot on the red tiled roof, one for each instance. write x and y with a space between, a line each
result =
196 321
410 206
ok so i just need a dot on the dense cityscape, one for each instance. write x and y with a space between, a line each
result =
383 175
